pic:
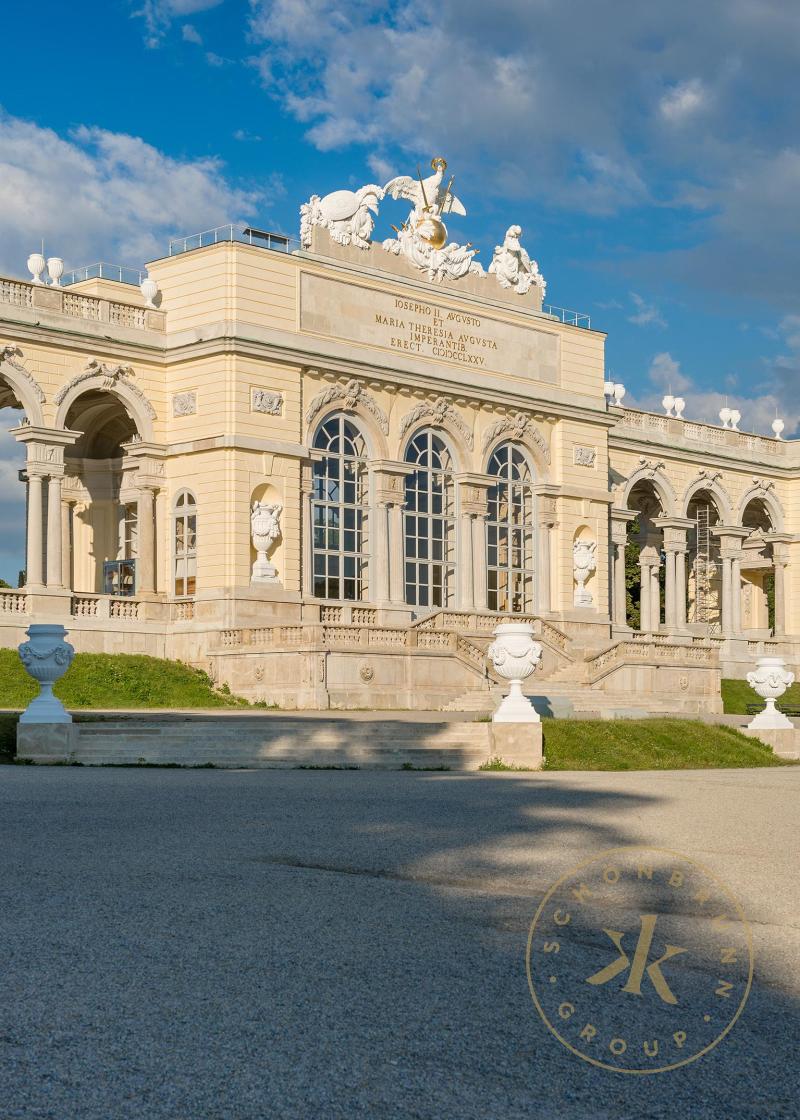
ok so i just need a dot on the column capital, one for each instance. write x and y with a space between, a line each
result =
389 481
473 490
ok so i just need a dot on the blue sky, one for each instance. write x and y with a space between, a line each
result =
650 152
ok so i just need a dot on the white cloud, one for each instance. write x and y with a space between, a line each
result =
190 34
592 122
99 195
775 394
665 373
158 16
645 314
683 100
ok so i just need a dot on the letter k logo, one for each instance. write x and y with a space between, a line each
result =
639 965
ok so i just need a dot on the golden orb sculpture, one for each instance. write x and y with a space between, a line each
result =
431 229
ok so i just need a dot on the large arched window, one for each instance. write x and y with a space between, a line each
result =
510 541
430 536
184 544
339 511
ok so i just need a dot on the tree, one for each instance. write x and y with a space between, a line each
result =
633 580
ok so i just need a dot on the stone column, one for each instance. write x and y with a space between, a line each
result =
379 584
680 588
655 597
669 589
644 594
780 597
397 560
730 538
145 566
736 591
473 494
546 522
66 545
34 574
479 562
727 604
544 598
674 530
620 520
307 529
467 564
54 531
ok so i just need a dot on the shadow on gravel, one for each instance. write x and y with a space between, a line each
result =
295 944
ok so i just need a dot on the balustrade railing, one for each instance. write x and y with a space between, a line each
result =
702 433
62 301
105 606
13 602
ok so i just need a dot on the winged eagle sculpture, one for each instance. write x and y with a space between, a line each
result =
427 195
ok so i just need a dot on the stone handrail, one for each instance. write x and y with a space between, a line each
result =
105 606
182 611
63 301
13 602
659 652
703 433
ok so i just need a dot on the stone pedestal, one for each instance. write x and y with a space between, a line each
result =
785 741
518 744
46 742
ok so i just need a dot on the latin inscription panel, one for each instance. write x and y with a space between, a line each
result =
426 329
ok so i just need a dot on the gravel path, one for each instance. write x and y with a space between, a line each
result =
321 944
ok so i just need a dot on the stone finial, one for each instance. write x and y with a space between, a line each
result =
777 426
668 403
149 290
55 270
36 266
619 393
679 404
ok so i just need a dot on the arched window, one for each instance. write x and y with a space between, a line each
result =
430 534
184 544
339 511
510 559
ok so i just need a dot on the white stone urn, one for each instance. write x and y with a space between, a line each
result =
55 270
265 528
514 655
46 657
36 266
770 680
149 290
584 561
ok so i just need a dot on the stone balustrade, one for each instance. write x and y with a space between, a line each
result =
13 602
656 652
668 430
105 607
63 301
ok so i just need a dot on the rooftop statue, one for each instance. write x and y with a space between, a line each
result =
347 216
422 239
513 267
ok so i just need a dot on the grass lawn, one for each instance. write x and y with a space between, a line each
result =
736 695
650 744
120 680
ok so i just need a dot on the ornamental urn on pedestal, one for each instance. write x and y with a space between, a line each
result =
770 680
514 655
36 266
265 529
46 657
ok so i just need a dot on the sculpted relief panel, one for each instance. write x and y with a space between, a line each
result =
426 329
